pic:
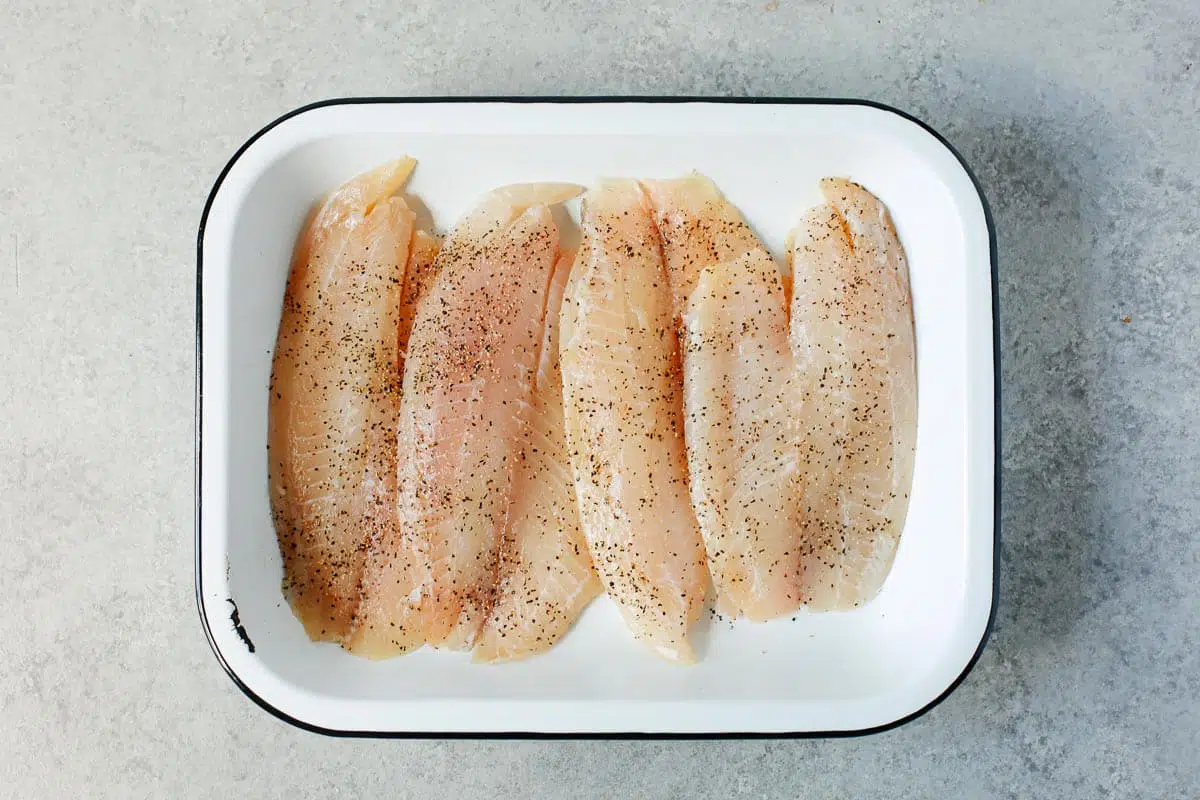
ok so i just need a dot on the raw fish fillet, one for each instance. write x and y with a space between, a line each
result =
739 397
546 576
468 384
377 631
335 396
854 343
624 420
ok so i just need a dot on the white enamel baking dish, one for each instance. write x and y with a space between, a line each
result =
816 674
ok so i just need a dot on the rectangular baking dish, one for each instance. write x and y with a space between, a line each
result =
814 674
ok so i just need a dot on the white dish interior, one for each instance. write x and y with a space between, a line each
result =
814 673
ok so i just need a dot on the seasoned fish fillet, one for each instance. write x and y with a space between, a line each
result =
853 339
468 384
545 572
624 422
739 397
378 631
334 396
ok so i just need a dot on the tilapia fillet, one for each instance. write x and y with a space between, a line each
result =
853 339
378 630
335 395
545 576
468 385
739 396
624 422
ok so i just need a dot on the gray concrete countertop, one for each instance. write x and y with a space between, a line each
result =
1080 118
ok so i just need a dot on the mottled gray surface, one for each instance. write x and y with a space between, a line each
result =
1081 119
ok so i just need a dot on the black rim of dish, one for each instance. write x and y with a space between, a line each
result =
991 229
